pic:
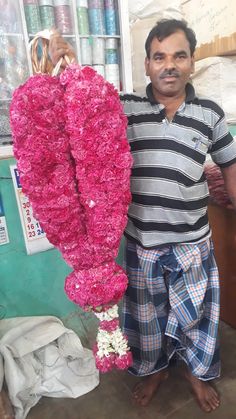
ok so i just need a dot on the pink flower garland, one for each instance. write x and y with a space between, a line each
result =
216 185
74 164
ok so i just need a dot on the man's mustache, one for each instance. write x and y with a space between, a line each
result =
169 73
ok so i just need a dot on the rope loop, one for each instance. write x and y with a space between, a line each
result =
42 64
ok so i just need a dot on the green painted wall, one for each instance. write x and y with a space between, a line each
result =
232 129
33 285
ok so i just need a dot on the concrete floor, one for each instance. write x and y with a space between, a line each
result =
112 398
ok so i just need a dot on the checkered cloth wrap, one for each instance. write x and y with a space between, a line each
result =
171 307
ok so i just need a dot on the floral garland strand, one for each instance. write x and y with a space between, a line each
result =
41 147
216 185
79 189
97 133
111 349
97 129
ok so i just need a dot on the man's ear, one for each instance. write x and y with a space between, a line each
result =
147 61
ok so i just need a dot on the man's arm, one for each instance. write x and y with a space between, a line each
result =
229 175
58 48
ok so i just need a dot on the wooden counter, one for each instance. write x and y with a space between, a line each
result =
223 224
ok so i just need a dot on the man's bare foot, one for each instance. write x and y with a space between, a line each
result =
145 389
207 397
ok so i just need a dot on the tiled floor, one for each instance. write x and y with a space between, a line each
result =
112 398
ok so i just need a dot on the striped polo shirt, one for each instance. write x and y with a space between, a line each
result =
168 185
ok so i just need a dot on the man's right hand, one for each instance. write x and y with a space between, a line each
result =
58 48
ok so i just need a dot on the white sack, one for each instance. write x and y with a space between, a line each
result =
214 78
143 16
141 9
40 357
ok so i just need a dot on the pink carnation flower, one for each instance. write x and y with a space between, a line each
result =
123 362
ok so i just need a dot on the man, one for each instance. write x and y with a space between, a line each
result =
171 307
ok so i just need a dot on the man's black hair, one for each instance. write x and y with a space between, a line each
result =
167 27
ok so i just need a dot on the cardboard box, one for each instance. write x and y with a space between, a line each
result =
214 24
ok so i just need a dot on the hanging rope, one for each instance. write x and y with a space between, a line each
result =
41 63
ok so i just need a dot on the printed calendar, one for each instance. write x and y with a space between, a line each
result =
34 236
4 239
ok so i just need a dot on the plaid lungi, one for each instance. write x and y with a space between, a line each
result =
171 307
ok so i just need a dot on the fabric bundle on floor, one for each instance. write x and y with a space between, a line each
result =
40 357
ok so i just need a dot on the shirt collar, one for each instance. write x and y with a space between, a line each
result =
190 93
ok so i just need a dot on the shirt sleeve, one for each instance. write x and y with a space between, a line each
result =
223 149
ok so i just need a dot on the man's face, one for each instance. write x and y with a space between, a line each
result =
170 64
